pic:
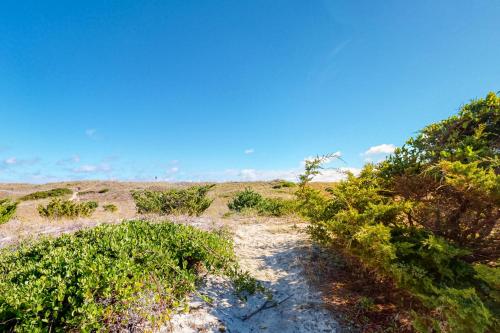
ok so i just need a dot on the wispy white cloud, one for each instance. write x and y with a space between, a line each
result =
329 66
335 174
93 168
39 177
76 169
378 153
11 161
327 175
380 149
249 151
256 174
291 174
173 170
69 160
111 158
91 133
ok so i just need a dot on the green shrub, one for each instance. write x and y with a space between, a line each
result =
275 207
110 208
362 220
426 217
7 210
191 201
58 208
278 184
450 171
248 199
56 192
86 192
104 190
108 276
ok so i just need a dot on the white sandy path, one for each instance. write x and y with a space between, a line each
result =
274 254
272 250
74 196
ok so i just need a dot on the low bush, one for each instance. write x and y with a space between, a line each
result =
56 192
58 208
104 190
426 218
7 210
86 192
276 207
111 277
278 184
191 201
110 208
248 199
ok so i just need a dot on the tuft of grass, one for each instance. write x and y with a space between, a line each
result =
110 208
7 210
191 201
58 208
56 192
365 304
248 199
106 278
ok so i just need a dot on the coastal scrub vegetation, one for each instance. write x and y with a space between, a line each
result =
190 201
7 210
426 218
279 184
249 200
57 209
110 208
56 192
109 277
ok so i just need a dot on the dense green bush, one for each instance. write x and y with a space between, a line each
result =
279 184
248 199
276 207
107 276
7 210
56 192
426 217
110 208
58 208
450 172
191 201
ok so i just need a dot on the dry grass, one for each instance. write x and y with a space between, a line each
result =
345 285
28 223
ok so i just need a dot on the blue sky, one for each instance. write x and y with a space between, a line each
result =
229 90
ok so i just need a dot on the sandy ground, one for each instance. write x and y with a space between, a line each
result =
275 253
28 223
